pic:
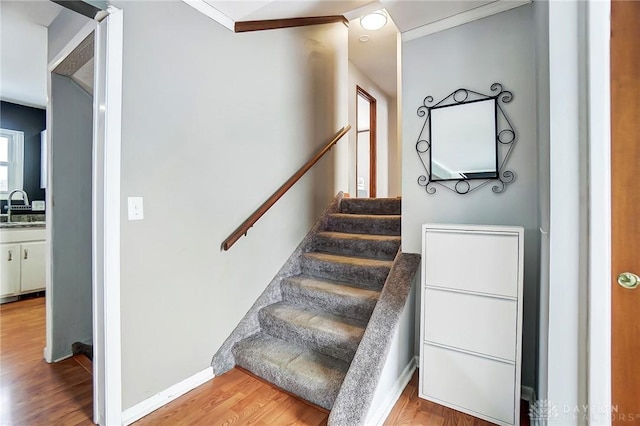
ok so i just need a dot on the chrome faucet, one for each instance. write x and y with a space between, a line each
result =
25 198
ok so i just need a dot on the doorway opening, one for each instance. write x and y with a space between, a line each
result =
71 112
365 144
65 41
91 61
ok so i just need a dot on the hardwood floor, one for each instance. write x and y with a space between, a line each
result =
236 398
411 410
33 392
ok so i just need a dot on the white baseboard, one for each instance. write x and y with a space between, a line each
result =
62 358
380 415
528 394
145 407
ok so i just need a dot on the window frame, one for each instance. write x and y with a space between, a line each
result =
16 160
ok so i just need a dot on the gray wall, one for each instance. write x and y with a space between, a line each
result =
213 123
70 186
500 48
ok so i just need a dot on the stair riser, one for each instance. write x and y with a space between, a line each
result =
351 247
366 206
282 377
359 225
361 276
322 343
285 382
336 304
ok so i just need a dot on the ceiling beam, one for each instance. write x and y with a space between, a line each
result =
272 24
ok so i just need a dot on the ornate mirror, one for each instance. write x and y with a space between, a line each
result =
465 141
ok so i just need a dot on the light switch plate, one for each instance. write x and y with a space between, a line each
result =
136 208
37 206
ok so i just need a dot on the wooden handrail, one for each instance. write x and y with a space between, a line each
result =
273 24
244 228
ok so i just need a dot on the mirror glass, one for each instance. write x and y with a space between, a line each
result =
463 141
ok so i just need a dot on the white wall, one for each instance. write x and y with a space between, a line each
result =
566 378
541 11
386 136
23 68
70 189
500 48
213 123
62 30
395 151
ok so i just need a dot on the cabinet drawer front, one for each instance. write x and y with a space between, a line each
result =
471 322
472 261
469 383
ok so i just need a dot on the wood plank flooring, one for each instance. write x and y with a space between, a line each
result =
411 410
237 398
33 392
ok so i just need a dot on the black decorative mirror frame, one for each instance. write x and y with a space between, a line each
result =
505 140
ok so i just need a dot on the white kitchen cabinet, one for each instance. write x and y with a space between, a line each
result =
471 319
23 258
32 260
9 269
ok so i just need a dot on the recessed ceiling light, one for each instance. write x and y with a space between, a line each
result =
374 20
364 38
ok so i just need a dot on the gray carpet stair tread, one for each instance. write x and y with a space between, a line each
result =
362 272
351 260
333 296
294 368
367 216
364 237
363 245
311 324
330 334
365 223
371 205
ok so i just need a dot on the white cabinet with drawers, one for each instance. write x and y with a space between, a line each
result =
22 261
471 319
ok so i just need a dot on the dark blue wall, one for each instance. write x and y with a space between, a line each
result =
31 121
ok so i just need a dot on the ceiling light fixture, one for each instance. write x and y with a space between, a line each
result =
364 38
374 20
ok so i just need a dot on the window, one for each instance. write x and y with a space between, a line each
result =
11 161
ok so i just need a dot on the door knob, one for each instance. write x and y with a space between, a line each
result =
628 280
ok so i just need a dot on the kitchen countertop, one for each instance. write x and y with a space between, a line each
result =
20 225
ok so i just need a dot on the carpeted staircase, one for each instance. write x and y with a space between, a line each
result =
306 336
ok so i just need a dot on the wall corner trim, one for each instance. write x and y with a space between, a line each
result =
380 414
205 8
462 18
160 399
